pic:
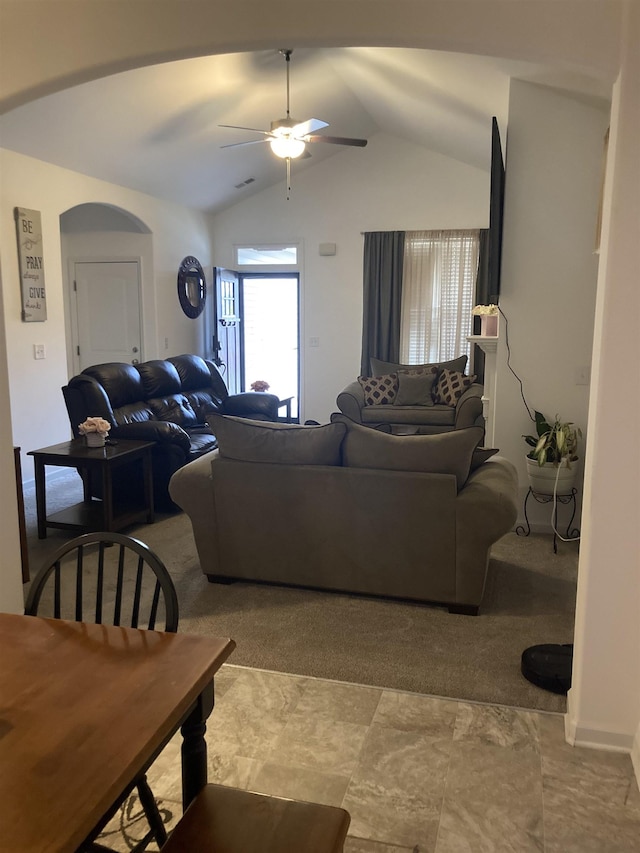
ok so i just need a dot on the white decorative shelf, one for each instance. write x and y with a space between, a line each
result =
489 346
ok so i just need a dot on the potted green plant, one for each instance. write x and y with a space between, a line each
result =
554 449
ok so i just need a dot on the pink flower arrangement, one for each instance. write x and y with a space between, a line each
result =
260 385
94 425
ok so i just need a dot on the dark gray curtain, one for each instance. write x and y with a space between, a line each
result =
481 298
383 260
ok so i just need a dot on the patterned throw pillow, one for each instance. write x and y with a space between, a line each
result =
379 390
451 386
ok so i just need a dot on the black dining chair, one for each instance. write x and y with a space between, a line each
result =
109 579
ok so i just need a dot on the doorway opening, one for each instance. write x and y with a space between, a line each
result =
256 323
271 333
106 254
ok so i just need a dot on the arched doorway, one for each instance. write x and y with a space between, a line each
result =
102 250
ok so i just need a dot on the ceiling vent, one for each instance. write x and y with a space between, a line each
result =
244 183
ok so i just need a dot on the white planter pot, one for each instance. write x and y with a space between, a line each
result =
95 439
542 478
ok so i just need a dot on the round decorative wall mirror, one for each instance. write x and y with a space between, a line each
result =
192 287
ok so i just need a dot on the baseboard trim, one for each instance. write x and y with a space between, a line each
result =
577 733
635 754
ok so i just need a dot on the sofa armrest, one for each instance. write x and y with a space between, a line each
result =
351 401
250 404
486 509
84 398
191 489
162 432
469 407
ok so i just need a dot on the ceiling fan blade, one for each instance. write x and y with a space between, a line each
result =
253 129
337 140
249 142
308 126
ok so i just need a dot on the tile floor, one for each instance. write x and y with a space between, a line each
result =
416 773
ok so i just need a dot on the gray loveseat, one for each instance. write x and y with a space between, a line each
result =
407 397
330 510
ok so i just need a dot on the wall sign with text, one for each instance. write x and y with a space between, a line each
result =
29 231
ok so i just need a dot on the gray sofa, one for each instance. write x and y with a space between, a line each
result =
320 515
415 406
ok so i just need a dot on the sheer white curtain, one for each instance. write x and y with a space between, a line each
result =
438 284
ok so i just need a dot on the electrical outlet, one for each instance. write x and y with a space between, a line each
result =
38 351
314 342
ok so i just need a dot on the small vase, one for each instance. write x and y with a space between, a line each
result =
489 325
95 439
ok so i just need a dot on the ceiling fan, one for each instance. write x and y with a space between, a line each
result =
288 137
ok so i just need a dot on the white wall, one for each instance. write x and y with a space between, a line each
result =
604 700
11 600
389 185
554 158
39 416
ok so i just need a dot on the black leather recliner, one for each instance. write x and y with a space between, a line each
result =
165 401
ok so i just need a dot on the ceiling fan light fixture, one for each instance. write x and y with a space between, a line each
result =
285 146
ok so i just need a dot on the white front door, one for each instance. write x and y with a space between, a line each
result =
107 297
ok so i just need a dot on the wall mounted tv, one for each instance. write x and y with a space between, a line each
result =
496 206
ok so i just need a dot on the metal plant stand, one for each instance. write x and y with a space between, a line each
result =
539 497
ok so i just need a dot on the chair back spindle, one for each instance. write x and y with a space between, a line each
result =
102 574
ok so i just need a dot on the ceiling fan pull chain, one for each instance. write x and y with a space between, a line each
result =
287 56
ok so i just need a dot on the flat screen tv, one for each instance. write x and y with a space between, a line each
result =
496 205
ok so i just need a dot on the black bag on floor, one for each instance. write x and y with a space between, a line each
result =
548 666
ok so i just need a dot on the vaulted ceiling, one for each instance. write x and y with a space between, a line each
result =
156 129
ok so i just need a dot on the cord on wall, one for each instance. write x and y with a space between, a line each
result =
528 408
506 340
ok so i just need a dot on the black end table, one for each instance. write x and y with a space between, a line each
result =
91 514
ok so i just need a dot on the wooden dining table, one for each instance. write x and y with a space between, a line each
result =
84 710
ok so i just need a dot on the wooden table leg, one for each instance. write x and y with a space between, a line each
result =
107 496
194 747
24 551
41 498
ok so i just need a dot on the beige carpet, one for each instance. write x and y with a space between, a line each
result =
530 599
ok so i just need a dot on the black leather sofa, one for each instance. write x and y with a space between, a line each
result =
165 401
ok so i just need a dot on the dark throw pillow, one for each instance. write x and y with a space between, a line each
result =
451 386
416 389
480 456
379 390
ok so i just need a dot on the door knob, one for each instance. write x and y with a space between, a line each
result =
135 349
135 361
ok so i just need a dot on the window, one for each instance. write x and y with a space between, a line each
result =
274 255
439 276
